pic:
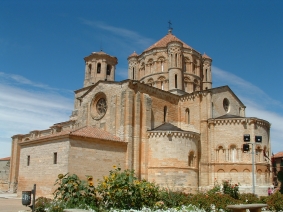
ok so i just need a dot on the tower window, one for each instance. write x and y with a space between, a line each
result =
98 68
28 160
89 68
133 73
206 75
55 158
175 60
176 80
108 70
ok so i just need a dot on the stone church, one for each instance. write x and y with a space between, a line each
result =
165 121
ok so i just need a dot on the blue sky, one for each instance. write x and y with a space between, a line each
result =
43 43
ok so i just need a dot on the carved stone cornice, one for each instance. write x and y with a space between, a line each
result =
241 120
176 134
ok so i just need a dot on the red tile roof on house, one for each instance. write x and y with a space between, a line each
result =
5 159
165 40
278 155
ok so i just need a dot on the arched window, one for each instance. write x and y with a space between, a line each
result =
89 68
233 153
220 154
108 70
206 75
175 60
98 68
191 158
176 80
226 105
162 66
133 73
162 86
165 114
187 115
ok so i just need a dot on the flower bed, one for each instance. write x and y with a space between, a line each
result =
122 191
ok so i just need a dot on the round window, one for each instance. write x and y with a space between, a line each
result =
101 106
98 106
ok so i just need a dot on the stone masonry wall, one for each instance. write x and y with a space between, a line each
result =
172 160
96 158
42 171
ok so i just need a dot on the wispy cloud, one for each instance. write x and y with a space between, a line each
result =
245 89
27 105
133 38
258 103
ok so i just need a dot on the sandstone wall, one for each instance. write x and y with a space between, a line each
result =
42 171
96 158
173 160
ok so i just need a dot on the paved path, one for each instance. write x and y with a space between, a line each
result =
12 203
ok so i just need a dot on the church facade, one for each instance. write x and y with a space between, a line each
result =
165 121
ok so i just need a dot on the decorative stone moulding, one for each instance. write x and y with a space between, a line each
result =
173 134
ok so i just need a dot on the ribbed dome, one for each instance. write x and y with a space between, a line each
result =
162 43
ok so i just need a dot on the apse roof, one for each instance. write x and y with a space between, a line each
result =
167 127
165 40
227 116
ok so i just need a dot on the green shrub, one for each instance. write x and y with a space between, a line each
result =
231 189
122 190
216 201
74 192
249 198
173 198
275 202
41 203
280 179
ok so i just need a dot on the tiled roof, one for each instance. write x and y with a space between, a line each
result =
167 127
228 116
133 55
278 155
5 159
93 132
165 40
206 56
86 132
101 52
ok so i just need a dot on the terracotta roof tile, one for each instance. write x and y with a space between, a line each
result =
87 132
133 55
206 56
101 52
5 159
278 155
165 40
93 132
